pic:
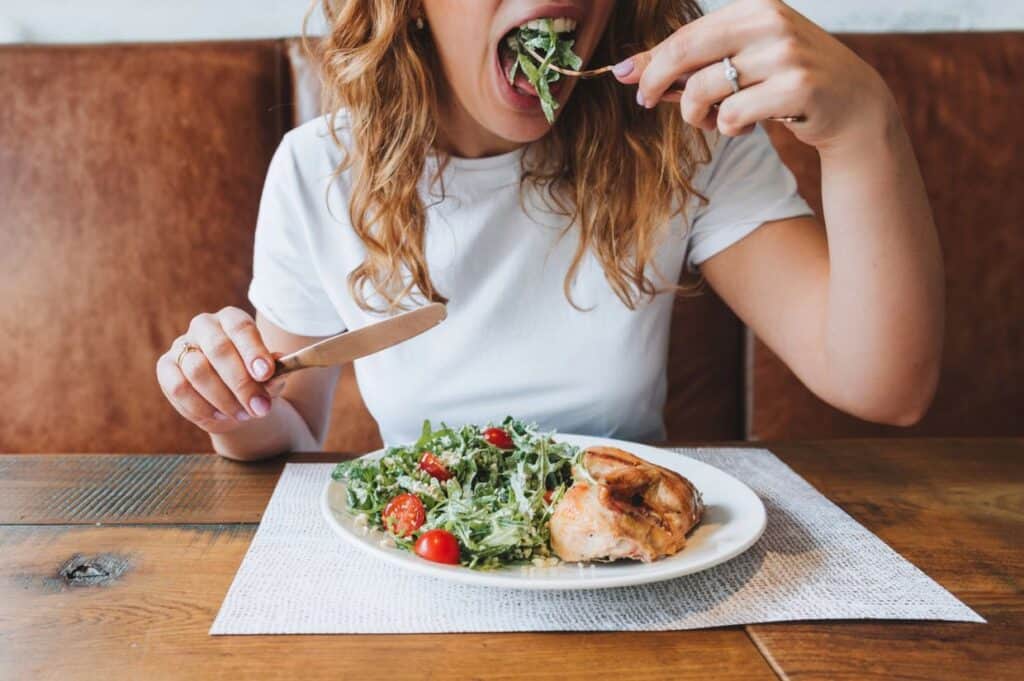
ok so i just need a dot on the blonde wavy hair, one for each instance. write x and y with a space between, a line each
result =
385 75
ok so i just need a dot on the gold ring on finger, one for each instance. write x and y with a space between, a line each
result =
187 347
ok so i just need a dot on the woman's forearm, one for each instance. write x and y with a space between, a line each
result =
859 319
884 320
282 430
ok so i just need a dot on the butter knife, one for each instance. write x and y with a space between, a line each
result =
351 345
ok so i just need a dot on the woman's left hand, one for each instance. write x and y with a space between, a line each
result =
786 65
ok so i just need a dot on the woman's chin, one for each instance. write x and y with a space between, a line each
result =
515 128
524 128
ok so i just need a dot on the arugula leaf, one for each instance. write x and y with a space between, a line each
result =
494 503
554 49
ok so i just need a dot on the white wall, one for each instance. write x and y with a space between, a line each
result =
871 16
144 20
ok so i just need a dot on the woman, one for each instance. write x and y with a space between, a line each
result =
558 247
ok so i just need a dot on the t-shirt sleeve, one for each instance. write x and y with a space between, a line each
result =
286 287
746 185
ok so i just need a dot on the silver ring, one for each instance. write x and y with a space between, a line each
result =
732 75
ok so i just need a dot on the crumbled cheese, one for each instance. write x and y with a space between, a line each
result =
449 458
415 486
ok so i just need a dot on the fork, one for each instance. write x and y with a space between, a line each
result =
594 73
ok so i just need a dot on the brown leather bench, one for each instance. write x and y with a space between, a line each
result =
129 182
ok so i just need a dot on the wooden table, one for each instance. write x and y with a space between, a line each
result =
114 567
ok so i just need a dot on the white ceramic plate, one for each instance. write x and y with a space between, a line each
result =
734 519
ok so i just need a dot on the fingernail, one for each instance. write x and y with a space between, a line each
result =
242 416
623 68
260 405
640 98
260 367
219 415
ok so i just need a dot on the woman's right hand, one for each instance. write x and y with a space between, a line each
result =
222 380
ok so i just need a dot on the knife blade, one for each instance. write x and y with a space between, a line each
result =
351 345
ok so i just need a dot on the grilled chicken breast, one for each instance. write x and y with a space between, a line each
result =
635 510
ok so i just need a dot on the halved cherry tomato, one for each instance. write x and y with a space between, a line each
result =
499 438
440 546
433 466
404 515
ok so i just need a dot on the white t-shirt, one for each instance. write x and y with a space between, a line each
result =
512 344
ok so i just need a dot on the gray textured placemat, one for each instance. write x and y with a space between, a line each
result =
814 562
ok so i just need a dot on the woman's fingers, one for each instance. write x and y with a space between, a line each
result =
708 123
220 371
219 382
709 39
180 392
738 114
628 71
241 329
709 85
275 386
686 50
752 33
207 382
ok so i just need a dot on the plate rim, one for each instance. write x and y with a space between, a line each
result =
464 575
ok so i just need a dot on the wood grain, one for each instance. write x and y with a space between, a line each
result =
135 599
108 488
903 651
152 622
954 508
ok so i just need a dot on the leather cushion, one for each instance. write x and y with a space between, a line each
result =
961 100
129 183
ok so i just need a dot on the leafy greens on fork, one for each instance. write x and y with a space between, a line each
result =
556 49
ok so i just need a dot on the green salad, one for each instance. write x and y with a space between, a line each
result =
477 496
554 47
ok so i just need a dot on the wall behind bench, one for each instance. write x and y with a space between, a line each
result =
99 21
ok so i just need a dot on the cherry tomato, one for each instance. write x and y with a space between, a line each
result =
499 438
404 515
433 466
548 495
440 546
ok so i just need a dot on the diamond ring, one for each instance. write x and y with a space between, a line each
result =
732 75
185 348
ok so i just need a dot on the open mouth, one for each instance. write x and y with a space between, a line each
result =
527 51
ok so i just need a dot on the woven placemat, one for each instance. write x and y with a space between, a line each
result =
814 562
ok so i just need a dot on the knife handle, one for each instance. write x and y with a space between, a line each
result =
363 341
288 364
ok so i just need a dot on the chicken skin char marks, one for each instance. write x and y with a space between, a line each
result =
630 509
